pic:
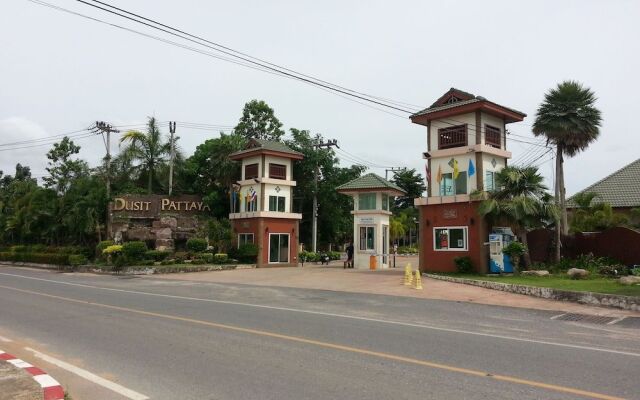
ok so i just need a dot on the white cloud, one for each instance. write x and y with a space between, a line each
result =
17 144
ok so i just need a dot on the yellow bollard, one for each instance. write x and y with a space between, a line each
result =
408 275
418 281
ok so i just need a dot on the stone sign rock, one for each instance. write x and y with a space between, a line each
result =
577 273
630 280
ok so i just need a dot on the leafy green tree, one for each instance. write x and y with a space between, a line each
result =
412 182
212 173
220 234
521 202
62 168
335 222
568 119
149 149
589 217
258 121
82 210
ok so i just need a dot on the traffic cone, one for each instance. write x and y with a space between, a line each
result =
408 275
418 281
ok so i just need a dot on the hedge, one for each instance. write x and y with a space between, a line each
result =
39 258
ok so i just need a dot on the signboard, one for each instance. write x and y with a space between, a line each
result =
151 206
450 213
366 221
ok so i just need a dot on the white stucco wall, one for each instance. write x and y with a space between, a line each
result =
252 160
492 120
277 160
463 166
376 220
270 190
243 196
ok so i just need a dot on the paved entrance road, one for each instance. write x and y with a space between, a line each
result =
188 340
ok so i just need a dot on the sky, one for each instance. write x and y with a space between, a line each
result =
59 72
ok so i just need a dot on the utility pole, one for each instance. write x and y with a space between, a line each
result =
317 146
172 130
393 169
103 128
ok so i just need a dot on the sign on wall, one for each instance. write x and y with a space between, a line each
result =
153 205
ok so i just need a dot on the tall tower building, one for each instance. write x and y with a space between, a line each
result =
466 147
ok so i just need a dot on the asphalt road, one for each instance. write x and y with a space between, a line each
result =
184 340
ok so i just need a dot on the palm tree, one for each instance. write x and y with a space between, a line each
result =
148 148
568 119
521 201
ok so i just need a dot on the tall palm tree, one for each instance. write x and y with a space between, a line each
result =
148 148
568 119
521 201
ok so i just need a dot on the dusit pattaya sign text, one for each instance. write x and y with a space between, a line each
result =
150 205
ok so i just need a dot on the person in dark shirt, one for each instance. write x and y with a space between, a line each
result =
349 262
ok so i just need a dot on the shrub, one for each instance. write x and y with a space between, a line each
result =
463 265
198 261
220 258
146 262
103 245
77 260
308 256
181 255
407 250
515 250
156 255
134 250
197 245
19 249
635 270
334 255
38 258
247 253
612 270
113 249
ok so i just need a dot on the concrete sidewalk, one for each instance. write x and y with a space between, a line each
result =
387 282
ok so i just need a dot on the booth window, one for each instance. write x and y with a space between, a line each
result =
251 171
276 203
277 171
450 238
367 201
367 238
279 248
449 188
245 238
385 202
489 181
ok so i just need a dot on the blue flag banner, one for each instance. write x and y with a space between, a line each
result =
472 168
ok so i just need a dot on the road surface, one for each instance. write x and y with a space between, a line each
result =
163 339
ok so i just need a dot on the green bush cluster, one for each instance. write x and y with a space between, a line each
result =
603 266
38 258
246 253
134 251
464 265
157 255
101 246
76 260
309 256
197 245
407 250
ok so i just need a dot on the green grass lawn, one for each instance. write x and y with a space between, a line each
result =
596 284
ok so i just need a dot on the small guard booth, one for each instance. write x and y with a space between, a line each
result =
372 197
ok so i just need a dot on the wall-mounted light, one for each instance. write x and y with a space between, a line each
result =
471 221
428 222
266 230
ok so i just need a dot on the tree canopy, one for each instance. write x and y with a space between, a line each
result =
258 121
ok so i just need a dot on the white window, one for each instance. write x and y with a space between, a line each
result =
276 203
490 181
450 238
450 187
245 238
367 238
279 248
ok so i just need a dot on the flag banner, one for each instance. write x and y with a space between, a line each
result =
472 168
427 174
439 176
456 171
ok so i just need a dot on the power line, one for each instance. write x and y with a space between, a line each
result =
172 31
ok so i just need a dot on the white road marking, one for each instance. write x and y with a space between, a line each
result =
382 321
558 316
121 390
4 339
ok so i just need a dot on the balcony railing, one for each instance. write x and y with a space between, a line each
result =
455 136
492 136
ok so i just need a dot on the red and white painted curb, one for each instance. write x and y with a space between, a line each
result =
51 387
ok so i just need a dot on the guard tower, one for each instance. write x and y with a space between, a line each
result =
372 196
261 204
466 147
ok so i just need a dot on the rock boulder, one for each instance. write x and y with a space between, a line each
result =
577 273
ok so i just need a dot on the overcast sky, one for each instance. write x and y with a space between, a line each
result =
60 72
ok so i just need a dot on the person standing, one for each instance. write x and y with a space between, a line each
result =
350 249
